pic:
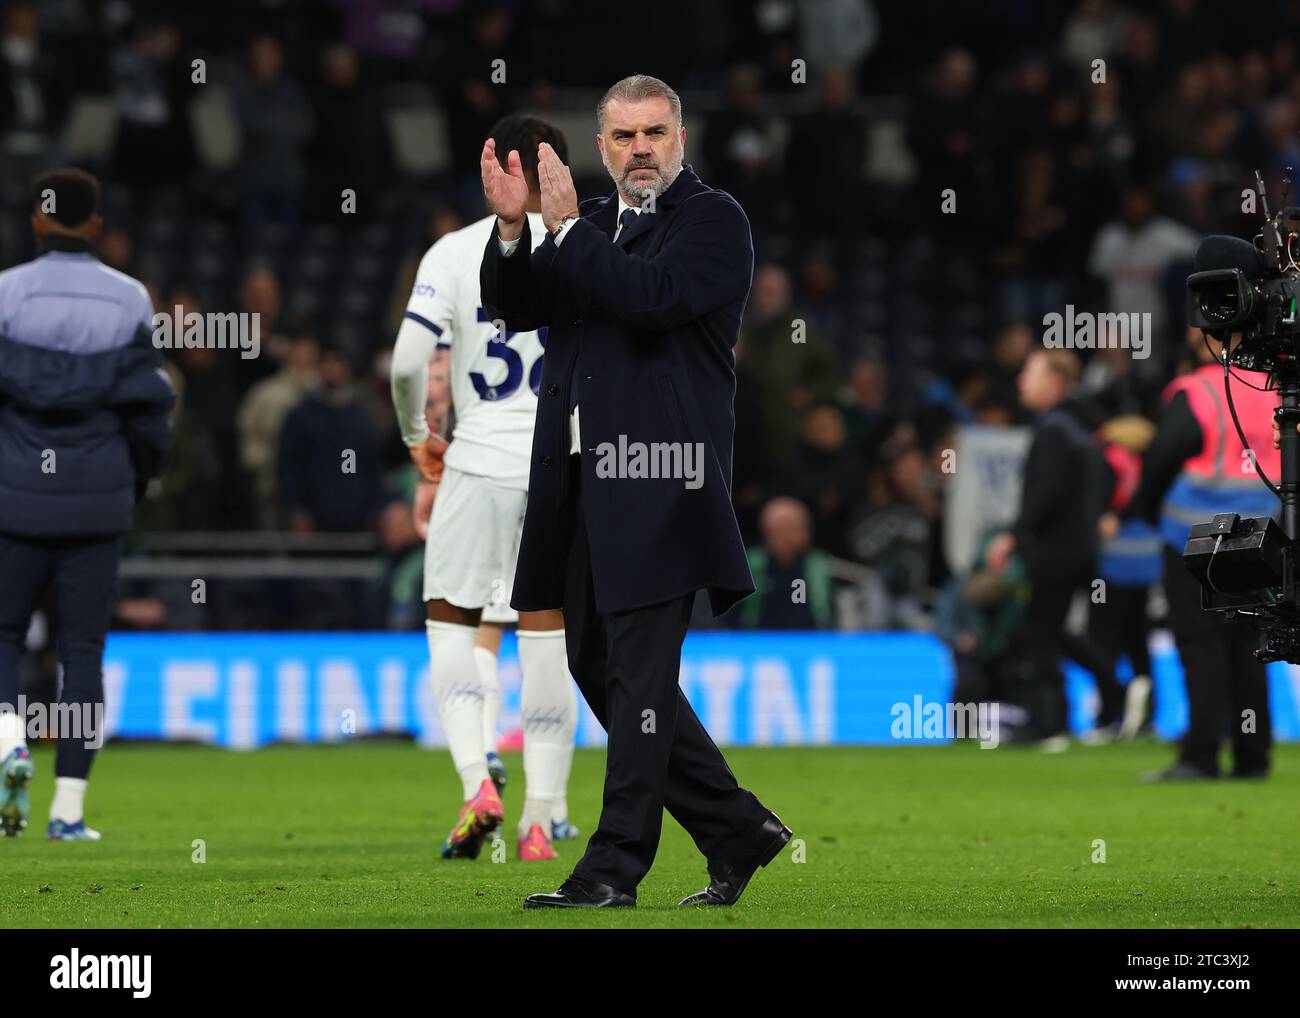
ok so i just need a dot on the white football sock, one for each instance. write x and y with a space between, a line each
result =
549 711
69 800
536 811
560 808
13 733
458 692
487 670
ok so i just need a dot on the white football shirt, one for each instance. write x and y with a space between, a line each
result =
494 378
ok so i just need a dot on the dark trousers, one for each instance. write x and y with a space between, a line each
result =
82 575
1083 650
659 754
1120 627
1046 642
1224 678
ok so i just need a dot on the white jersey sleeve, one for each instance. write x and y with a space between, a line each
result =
427 324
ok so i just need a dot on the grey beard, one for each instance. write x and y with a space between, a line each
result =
639 195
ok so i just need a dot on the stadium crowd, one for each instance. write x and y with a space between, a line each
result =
1086 145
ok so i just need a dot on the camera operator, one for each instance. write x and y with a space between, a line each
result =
1194 468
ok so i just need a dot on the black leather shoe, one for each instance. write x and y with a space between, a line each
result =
575 893
729 880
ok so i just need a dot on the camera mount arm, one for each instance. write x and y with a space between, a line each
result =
1287 415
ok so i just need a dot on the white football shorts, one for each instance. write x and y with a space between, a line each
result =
473 544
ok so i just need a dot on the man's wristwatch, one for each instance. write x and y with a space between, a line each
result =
563 223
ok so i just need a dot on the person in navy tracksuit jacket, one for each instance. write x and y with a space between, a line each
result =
84 423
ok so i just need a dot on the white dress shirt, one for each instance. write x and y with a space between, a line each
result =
507 249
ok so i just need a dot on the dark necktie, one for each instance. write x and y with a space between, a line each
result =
626 220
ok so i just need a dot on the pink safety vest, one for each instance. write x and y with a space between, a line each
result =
1222 457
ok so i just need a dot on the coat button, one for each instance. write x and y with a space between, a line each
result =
546 461
552 390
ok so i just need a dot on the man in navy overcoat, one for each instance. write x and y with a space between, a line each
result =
629 503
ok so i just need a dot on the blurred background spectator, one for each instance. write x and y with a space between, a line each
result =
925 181
791 577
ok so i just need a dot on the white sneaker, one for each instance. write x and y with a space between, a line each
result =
1054 744
1098 736
62 830
1136 698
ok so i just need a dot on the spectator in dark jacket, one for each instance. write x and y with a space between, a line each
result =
33 96
787 363
84 423
151 88
791 577
330 473
275 124
826 155
1064 489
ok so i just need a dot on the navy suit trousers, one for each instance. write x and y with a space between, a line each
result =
659 755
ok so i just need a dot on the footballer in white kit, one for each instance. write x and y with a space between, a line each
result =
476 522
478 514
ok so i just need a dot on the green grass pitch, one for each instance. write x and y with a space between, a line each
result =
889 836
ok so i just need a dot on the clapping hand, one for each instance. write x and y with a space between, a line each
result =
559 197
506 191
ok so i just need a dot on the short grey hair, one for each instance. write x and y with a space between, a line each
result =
634 88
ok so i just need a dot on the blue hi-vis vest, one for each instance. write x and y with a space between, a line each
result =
1134 556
